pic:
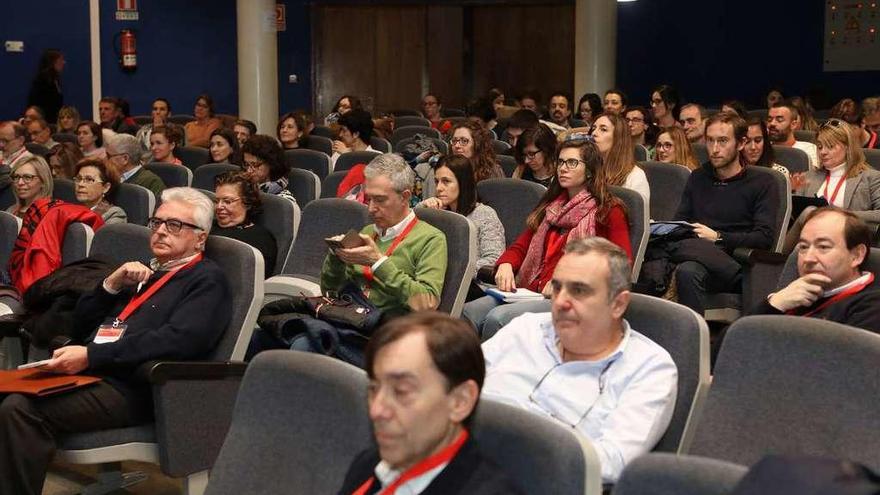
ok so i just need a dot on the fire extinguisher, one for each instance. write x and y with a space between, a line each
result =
127 50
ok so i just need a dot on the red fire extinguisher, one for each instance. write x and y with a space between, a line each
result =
127 50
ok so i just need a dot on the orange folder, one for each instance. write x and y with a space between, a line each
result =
40 383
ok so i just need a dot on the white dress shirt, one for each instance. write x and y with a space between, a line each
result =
621 403
391 233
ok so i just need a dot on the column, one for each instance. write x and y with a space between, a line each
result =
257 63
595 46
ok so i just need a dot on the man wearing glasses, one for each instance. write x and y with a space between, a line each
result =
12 138
176 308
124 153
582 364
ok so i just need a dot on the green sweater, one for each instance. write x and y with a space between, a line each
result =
151 181
417 266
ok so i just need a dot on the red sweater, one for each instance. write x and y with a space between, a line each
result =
615 228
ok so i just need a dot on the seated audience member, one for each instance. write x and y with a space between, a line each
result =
474 142
91 140
614 102
528 100
425 374
482 112
291 131
457 192
124 154
160 112
804 115
639 121
344 104
236 204
110 113
576 205
68 119
518 123
845 109
534 154
383 126
32 112
692 119
63 159
612 137
559 110
182 320
265 165
868 138
224 148
736 107
781 125
355 131
96 188
31 180
773 97
431 108
730 207
665 106
163 141
243 130
845 179
831 249
496 97
589 107
674 147
12 138
198 132
758 150
41 134
582 365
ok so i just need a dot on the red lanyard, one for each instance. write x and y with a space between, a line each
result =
836 189
368 271
138 300
837 297
429 463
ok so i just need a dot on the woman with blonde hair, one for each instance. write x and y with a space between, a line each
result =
31 180
673 147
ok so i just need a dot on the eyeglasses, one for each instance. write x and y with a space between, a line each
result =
460 140
530 155
570 164
87 180
634 120
831 123
173 225
547 409
26 178
226 201
253 165
664 146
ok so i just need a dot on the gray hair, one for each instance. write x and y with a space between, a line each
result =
128 144
395 168
203 207
619 271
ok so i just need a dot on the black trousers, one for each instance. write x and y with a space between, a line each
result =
30 425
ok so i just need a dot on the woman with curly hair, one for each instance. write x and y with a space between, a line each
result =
236 204
473 141
265 166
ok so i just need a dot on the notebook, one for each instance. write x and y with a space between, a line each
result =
41 383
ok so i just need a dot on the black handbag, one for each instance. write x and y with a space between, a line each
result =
348 308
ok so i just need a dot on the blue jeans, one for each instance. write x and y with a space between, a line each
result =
488 314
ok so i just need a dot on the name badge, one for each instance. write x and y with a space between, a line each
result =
109 333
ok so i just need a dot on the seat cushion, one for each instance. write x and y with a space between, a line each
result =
104 438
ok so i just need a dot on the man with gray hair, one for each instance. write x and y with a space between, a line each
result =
12 138
125 154
401 263
174 309
582 365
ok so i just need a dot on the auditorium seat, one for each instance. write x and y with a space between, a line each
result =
172 175
507 164
795 160
701 153
667 182
181 119
323 131
806 136
639 224
205 175
315 161
138 202
405 120
64 189
348 160
442 146
404 132
452 112
461 248
281 217
64 137
873 158
512 200
667 474
320 143
379 144
500 146
191 156
404 112
640 152
304 185
37 149
330 184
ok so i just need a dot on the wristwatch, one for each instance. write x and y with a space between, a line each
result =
719 240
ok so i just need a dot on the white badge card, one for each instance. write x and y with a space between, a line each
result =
109 333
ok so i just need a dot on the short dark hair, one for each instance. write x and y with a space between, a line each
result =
768 156
353 101
452 343
96 130
562 94
463 170
481 108
700 108
523 119
593 100
247 123
165 101
171 131
740 129
110 99
669 95
737 107
855 230
619 92
236 157
266 148
359 121
249 191
208 101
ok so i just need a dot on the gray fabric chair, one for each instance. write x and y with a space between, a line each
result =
304 185
512 200
171 175
64 189
461 248
700 152
640 152
138 202
181 119
667 181
452 112
442 146
7 198
500 146
37 149
192 401
403 132
808 136
795 160
307 159
281 218
685 336
142 120
321 218
380 144
348 160
667 474
317 142
405 112
409 120
873 158
76 243
539 455
9 227
639 224
323 131
288 404
191 156
507 163
792 386
64 137
331 183
204 176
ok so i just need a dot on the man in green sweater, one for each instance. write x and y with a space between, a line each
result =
402 262
124 153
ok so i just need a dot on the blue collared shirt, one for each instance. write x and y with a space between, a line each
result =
622 403
127 175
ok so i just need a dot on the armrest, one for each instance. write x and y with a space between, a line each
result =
749 256
288 285
161 372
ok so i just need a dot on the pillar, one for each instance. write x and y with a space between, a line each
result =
257 63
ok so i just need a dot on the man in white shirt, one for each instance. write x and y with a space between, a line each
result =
781 123
582 364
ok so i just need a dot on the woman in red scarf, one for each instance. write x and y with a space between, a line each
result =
578 204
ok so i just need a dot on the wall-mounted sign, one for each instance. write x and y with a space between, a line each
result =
126 10
851 42
280 17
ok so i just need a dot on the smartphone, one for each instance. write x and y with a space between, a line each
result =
35 364
348 240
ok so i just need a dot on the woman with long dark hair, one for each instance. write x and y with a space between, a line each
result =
46 88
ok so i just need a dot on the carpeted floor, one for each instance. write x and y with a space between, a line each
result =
69 479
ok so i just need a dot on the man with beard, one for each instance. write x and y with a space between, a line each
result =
782 120
559 110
